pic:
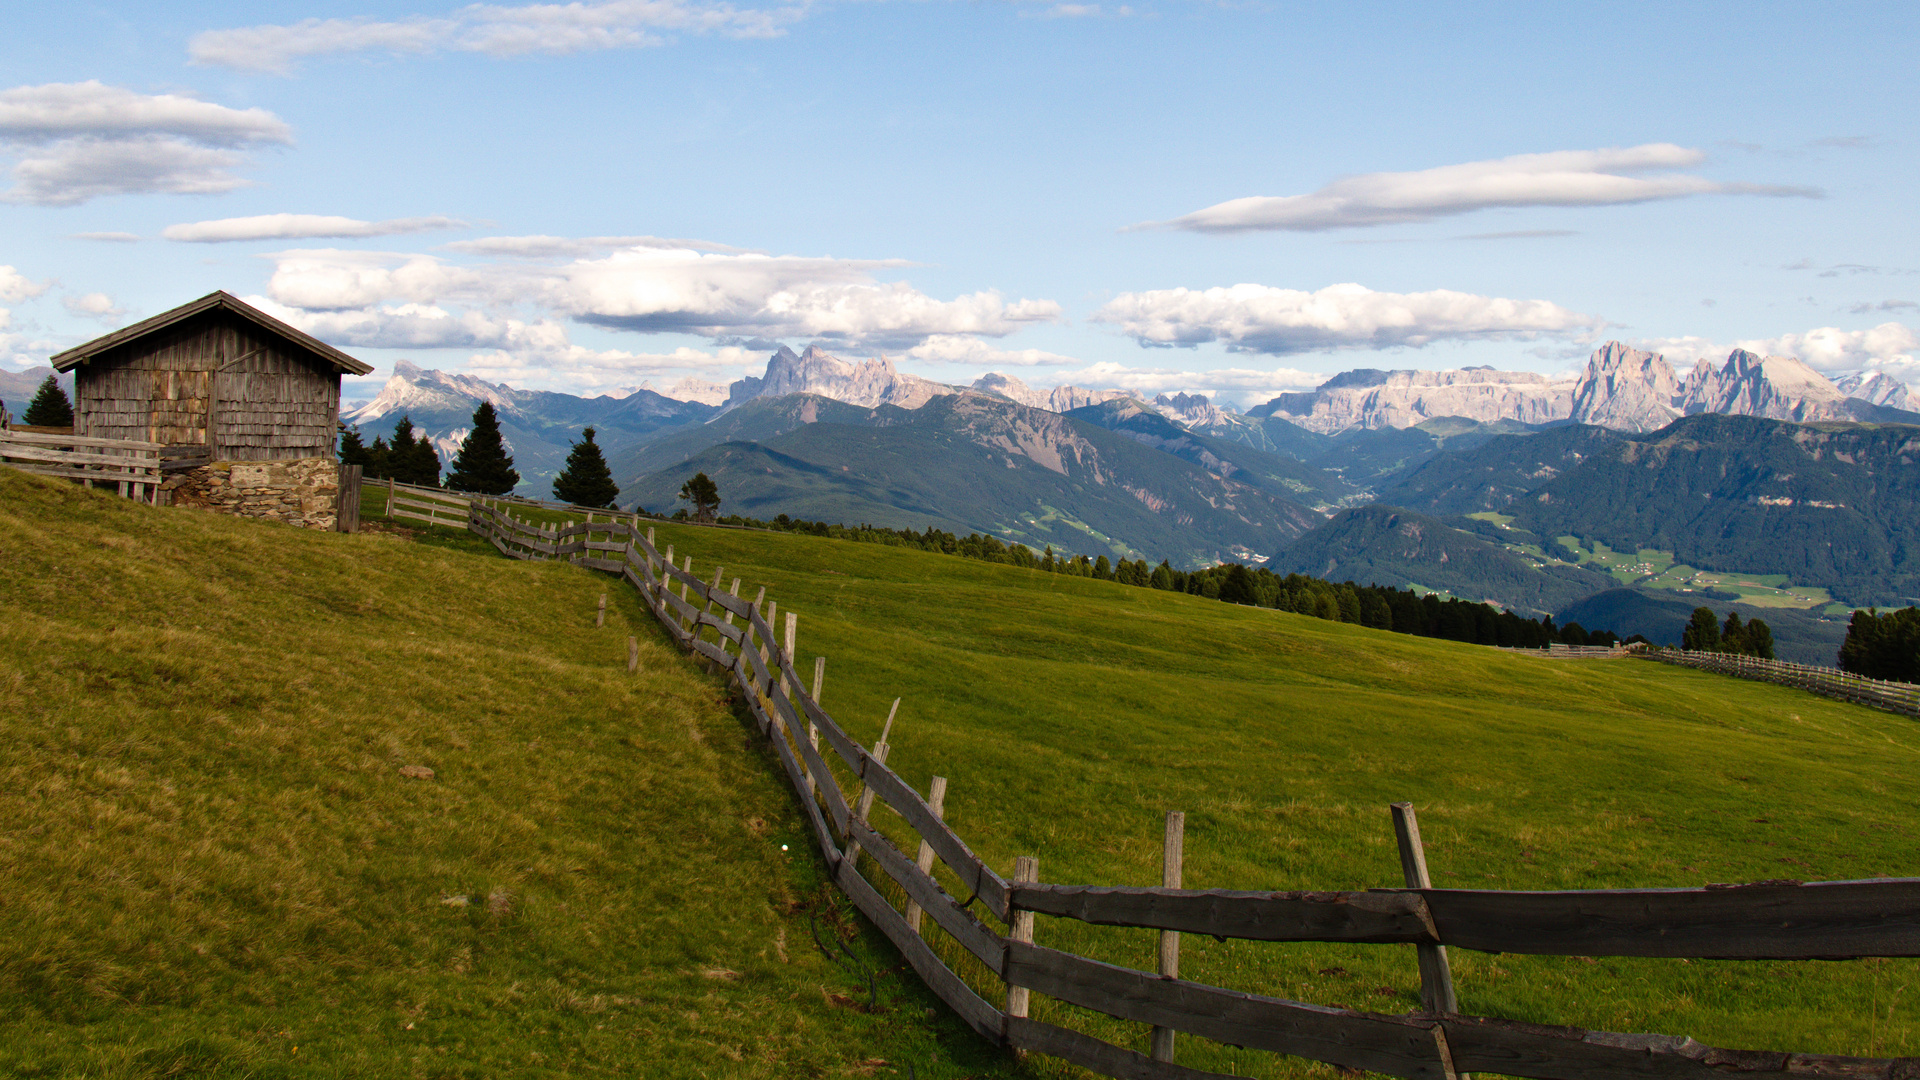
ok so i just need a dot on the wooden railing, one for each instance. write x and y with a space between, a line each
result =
1829 682
133 467
1766 920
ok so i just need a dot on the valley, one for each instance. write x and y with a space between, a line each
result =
1754 485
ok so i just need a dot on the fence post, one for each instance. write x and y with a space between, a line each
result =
937 801
389 479
864 805
633 654
600 617
346 503
1436 978
1170 866
1026 871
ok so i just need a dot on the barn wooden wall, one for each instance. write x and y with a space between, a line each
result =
273 400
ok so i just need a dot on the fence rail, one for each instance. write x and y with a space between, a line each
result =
133 467
1897 697
1770 920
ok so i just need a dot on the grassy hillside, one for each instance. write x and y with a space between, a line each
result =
1070 714
212 865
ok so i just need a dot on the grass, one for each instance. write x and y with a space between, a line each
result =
1071 714
212 865
207 717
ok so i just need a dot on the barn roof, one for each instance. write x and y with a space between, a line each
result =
65 361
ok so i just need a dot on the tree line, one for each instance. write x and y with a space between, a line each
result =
1381 607
1705 633
1883 646
481 465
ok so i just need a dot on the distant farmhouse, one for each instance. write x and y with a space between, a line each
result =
246 406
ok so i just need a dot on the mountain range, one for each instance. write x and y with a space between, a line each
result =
1753 466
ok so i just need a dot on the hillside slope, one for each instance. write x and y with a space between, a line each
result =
211 865
1830 505
1070 714
969 462
1385 545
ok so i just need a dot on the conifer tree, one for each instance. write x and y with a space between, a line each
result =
410 459
704 494
379 460
586 480
483 464
1702 632
354 452
50 407
1733 635
1759 639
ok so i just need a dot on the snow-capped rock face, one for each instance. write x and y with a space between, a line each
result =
868 382
1401 399
1058 399
1193 410
411 389
1776 387
1627 390
1879 388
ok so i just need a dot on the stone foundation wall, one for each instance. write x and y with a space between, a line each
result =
299 492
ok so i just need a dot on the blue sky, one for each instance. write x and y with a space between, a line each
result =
1227 198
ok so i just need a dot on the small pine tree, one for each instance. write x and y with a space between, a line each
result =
1733 635
379 460
704 494
586 480
1702 632
483 464
1760 639
354 452
50 407
411 459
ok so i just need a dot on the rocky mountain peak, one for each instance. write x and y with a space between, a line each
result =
1627 389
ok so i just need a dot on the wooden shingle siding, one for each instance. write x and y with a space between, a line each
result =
272 399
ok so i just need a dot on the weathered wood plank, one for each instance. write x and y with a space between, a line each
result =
988 886
1091 1053
144 459
1374 917
85 474
1879 917
971 933
816 766
42 439
1393 1045
971 1007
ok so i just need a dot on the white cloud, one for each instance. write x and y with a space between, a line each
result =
109 237
300 227
1564 178
1265 319
1890 347
14 286
1237 386
962 349
551 29
94 305
557 247
652 290
78 141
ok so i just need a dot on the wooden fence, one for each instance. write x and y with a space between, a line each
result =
1767 920
133 467
1830 682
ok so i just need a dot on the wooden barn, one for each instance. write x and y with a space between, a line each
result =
215 373
242 408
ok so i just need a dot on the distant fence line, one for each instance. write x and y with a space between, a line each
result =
1765 920
1896 697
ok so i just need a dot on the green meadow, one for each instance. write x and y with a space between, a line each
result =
211 864
1070 715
